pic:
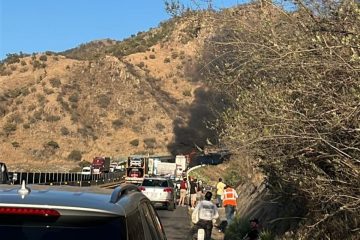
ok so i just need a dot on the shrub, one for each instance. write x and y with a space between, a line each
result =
43 58
150 142
75 155
25 91
48 91
38 114
15 118
41 98
103 101
12 58
117 123
74 98
64 131
237 229
141 65
187 93
129 112
37 64
134 142
174 55
74 116
152 56
52 118
13 93
52 144
15 144
26 125
9 128
55 82
233 177
160 126
166 60
267 235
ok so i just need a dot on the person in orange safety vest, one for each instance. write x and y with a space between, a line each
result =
229 201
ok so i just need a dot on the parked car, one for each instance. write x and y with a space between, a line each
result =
160 191
60 212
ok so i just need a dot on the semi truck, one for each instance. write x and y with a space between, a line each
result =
182 161
136 169
166 169
100 165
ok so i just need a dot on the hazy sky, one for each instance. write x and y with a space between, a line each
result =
57 25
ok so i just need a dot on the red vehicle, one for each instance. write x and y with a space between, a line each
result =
100 165
136 169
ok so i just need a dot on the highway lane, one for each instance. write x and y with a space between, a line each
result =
176 223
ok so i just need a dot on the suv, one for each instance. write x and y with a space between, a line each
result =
160 191
69 212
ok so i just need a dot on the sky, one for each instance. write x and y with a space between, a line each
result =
49 25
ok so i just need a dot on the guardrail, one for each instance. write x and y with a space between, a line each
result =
66 178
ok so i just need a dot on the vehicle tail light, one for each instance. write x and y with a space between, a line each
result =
141 188
167 189
29 211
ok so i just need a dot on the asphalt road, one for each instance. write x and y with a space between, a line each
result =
176 223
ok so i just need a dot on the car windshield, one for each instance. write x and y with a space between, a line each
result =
155 183
75 227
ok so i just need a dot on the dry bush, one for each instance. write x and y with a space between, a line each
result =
293 89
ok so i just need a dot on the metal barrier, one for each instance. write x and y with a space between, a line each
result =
68 178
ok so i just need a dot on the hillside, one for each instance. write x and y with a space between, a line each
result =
104 98
280 89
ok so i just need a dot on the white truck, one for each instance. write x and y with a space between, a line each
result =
182 161
166 169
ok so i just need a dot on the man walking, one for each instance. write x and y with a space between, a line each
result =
207 212
229 201
219 192
193 190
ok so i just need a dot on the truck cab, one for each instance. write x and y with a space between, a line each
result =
100 165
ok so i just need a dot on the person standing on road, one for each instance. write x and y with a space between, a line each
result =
207 212
219 192
229 200
183 190
199 193
193 190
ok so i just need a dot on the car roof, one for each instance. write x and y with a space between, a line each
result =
156 178
79 200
